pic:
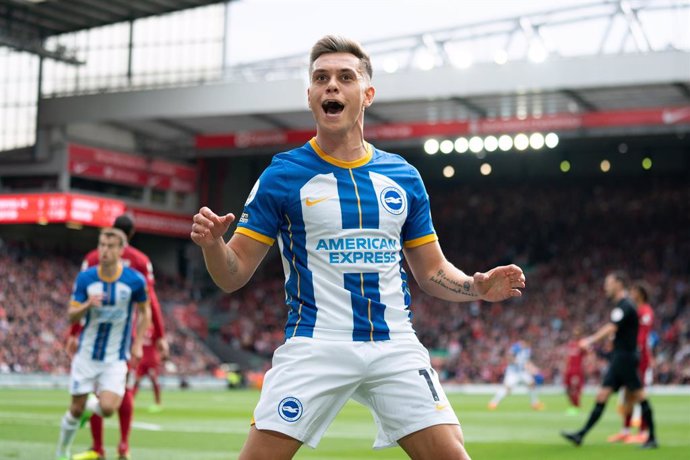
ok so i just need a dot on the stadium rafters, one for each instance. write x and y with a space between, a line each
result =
26 24
612 27
606 58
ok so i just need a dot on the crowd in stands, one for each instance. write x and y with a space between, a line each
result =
566 237
35 287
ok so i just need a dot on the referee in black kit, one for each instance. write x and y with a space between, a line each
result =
623 367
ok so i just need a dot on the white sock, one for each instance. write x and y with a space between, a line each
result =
533 396
499 395
68 428
637 412
93 405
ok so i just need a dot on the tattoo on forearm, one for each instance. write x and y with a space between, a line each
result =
452 285
232 263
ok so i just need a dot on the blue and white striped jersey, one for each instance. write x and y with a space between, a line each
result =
107 332
521 356
341 227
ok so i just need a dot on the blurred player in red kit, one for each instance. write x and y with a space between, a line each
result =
639 293
574 375
140 262
150 366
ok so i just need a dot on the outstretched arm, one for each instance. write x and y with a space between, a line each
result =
439 278
604 331
230 264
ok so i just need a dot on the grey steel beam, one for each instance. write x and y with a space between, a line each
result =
469 105
243 98
580 100
177 126
684 89
273 121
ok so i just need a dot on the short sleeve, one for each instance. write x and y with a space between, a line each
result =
647 319
263 210
149 273
139 294
418 228
617 315
79 293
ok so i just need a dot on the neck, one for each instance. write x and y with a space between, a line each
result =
619 295
344 146
110 270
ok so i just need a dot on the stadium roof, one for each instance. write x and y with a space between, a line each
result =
645 89
634 93
24 24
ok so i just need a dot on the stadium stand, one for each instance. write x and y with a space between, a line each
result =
566 255
625 92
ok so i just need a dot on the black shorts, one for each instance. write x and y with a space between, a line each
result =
623 372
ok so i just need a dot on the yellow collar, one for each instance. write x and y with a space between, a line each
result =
340 163
112 279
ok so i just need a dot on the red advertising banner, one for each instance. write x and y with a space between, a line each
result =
107 173
55 208
126 168
168 168
45 208
162 223
657 116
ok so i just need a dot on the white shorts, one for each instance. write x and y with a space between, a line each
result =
87 376
312 379
513 378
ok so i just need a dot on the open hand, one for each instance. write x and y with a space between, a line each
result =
584 344
137 352
71 345
163 348
208 227
95 300
499 283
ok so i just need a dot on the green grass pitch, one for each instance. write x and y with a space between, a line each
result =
201 425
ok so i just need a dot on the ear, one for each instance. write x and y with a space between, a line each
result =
369 96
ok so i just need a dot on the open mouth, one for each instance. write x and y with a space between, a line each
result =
332 107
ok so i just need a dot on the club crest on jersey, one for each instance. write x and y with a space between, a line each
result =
393 200
290 409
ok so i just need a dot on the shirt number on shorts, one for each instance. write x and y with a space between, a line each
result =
427 377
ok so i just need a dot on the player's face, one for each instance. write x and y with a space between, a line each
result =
109 250
610 286
636 296
338 92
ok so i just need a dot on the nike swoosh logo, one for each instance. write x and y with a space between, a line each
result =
310 202
441 406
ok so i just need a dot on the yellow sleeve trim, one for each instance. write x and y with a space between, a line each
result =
255 235
74 303
420 241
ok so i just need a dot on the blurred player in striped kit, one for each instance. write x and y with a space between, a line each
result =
520 370
155 335
106 296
